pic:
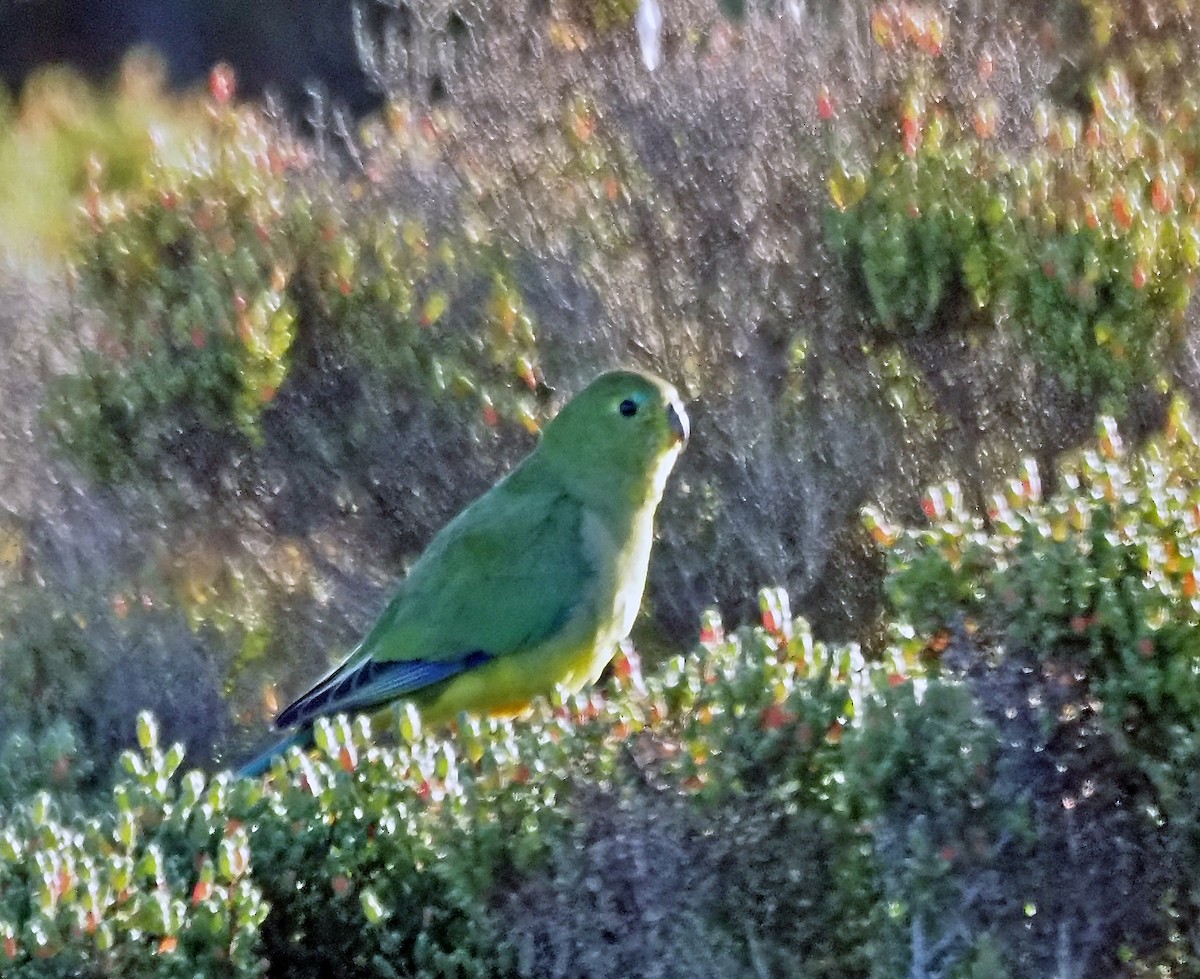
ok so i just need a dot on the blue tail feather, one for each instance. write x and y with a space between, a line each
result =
261 763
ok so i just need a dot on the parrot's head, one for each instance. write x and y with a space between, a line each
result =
619 436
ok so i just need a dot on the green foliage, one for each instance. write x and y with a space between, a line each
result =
155 886
603 16
73 675
190 272
920 768
1158 45
44 650
46 757
207 274
908 230
1110 242
1104 567
1081 237
391 861
1097 583
439 313
925 750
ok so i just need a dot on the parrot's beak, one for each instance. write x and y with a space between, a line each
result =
677 419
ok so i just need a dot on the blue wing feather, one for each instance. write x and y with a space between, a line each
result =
372 683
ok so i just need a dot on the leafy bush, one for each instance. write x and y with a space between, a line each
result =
764 801
1079 233
72 679
1075 617
465 854
921 771
191 276
761 803
208 273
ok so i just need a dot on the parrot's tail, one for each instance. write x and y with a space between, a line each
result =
259 764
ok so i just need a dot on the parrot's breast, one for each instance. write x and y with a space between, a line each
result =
621 563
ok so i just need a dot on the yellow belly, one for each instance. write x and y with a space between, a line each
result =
506 686
576 656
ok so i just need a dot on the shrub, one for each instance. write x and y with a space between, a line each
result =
920 769
464 854
73 677
1080 234
1082 608
151 888
206 276
190 275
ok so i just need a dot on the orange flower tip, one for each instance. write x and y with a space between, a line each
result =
222 83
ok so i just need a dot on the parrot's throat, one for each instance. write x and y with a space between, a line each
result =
622 507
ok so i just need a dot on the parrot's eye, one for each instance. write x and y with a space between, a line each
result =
628 408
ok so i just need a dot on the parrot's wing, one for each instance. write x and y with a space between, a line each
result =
369 684
505 575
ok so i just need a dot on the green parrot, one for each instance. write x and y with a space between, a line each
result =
531 586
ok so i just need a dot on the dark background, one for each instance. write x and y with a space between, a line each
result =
283 44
